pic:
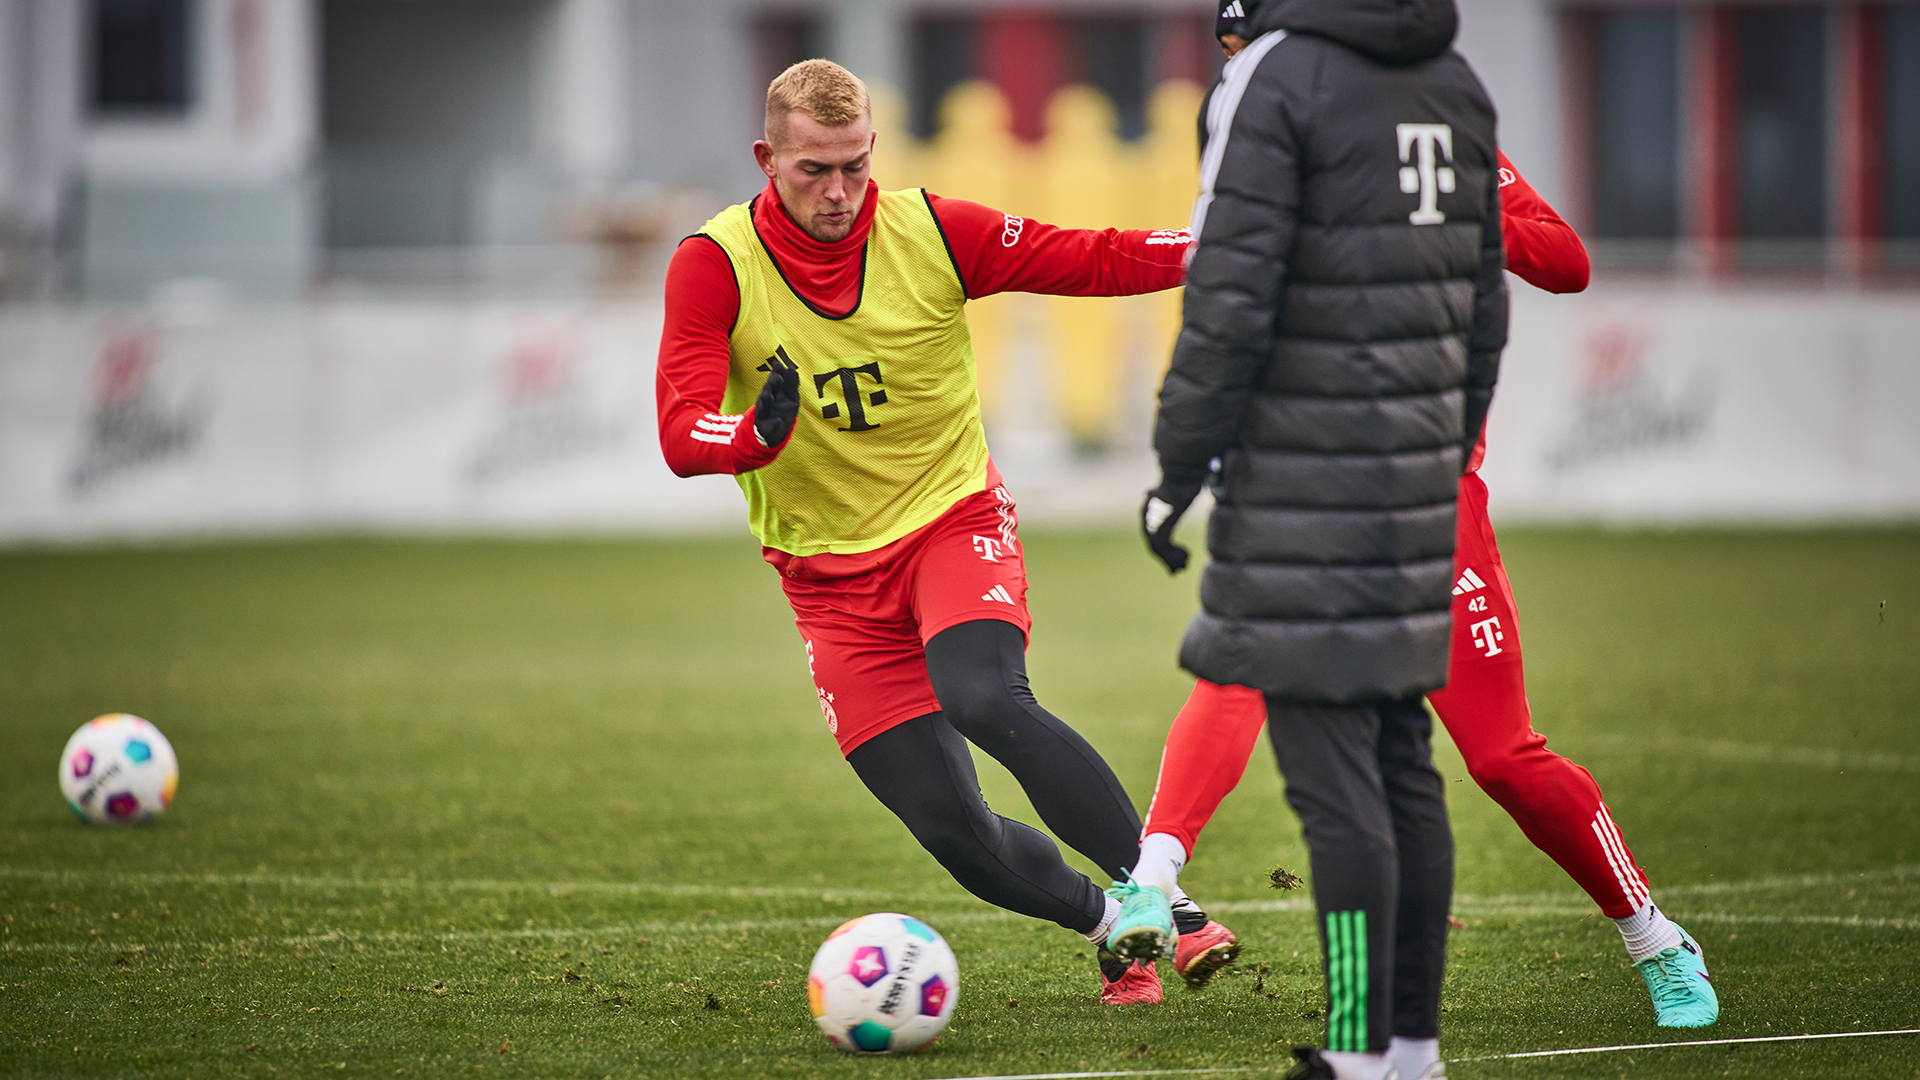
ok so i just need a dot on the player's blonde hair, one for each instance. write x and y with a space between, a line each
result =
825 91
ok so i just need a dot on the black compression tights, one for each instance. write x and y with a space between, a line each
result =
923 772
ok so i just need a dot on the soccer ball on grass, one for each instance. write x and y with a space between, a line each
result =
883 983
118 769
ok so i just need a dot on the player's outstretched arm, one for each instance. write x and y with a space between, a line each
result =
1488 335
1541 248
690 381
995 252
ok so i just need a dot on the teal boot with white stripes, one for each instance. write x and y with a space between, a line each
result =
1677 979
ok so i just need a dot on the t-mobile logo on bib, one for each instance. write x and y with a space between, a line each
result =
1422 146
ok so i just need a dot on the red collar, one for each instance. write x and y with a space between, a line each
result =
827 277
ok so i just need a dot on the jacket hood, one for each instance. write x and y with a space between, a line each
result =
1396 32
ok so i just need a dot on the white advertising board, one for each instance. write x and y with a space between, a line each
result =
1684 406
1622 405
372 415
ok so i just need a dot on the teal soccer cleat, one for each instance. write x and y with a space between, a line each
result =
1683 995
1144 928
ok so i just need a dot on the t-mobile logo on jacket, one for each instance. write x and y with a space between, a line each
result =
1421 171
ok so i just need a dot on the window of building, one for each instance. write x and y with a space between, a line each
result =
1900 80
1783 155
427 112
1113 59
1184 48
142 56
1636 118
1756 136
782 39
1030 53
941 58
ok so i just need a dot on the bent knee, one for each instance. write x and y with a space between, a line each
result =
963 847
1506 775
981 709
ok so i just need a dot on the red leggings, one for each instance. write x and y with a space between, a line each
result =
1556 803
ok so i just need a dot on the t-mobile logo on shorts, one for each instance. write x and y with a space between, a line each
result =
988 547
1487 635
1421 170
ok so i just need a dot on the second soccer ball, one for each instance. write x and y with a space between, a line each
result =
118 769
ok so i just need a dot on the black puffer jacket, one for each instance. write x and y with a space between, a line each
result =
1344 319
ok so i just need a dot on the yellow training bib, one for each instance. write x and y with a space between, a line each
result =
889 433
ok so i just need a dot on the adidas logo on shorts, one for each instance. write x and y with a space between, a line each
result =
1469 581
998 592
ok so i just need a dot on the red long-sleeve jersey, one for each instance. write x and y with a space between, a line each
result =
1541 248
992 251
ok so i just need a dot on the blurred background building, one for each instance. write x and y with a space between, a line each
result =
271 264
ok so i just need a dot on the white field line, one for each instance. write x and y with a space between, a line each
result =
1545 903
1489 1057
710 927
1696 1042
1133 1072
1806 757
1688 915
1525 906
552 888
1298 903
1711 888
1794 881
1902 922
1539 904
353 937
1724 918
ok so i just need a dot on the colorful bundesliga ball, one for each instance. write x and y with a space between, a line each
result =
118 769
883 983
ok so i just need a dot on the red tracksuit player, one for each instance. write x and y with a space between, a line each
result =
1484 704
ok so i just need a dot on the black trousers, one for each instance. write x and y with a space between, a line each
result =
1374 813
923 771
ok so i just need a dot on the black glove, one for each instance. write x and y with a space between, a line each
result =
779 403
1160 513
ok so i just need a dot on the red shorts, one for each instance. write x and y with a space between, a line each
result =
866 632
1486 628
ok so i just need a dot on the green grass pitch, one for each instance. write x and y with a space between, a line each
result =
568 808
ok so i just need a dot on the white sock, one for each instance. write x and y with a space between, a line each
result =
1351 1066
1647 933
1411 1057
1161 857
1098 935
